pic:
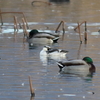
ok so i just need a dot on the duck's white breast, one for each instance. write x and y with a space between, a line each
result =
43 53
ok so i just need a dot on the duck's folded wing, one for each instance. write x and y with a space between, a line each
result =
53 34
52 50
44 36
65 51
74 62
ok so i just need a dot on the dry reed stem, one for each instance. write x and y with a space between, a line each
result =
24 28
63 28
85 34
26 21
61 23
15 24
79 25
79 33
1 17
31 87
13 13
41 1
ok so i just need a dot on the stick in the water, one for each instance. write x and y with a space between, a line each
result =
31 87
79 33
85 34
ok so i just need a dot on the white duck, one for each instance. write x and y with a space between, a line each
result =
48 51
51 54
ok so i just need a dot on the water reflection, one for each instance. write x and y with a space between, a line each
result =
86 76
47 60
34 46
31 98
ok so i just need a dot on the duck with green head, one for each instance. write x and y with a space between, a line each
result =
84 66
42 37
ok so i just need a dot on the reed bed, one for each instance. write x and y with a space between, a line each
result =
15 19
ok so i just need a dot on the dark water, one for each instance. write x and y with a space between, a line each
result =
18 61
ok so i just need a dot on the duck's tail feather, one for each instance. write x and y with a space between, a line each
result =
55 39
60 65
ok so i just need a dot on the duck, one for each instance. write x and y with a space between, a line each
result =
42 37
48 51
50 55
83 67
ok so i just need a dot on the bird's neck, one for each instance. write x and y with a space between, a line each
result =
92 68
